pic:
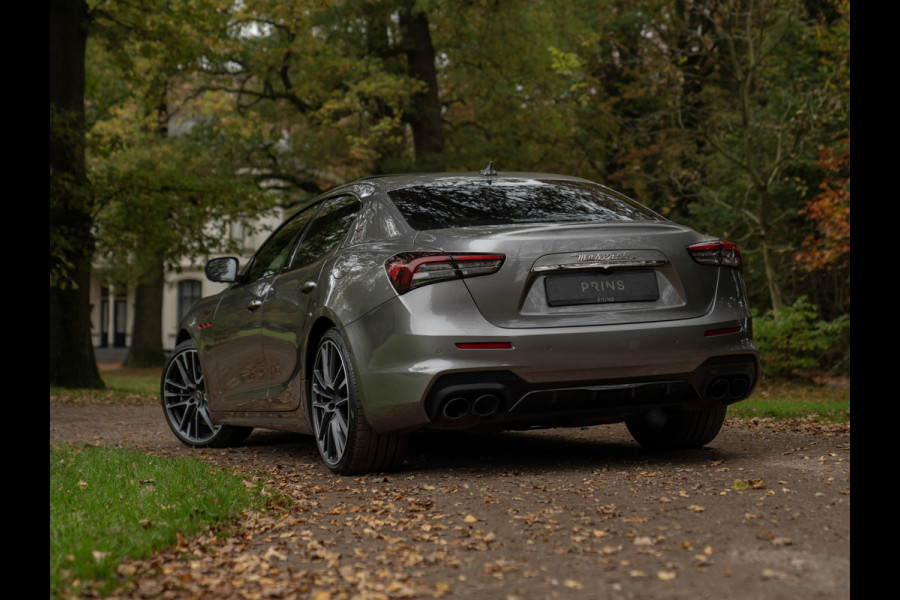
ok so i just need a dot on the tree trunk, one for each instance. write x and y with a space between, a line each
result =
72 361
146 336
775 296
425 115
146 349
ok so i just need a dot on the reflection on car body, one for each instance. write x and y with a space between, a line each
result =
465 301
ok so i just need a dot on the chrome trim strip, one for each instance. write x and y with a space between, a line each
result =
600 264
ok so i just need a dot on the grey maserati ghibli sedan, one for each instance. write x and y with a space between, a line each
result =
466 301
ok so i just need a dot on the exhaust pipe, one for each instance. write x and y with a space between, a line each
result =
456 408
718 389
486 405
738 387
730 388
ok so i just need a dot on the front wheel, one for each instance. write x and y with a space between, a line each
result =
674 429
345 440
183 394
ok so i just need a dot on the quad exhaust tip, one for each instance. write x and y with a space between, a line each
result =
486 405
459 407
728 388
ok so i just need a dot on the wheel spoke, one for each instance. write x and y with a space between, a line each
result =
340 380
188 380
195 421
325 373
319 387
322 427
203 411
339 430
177 384
185 423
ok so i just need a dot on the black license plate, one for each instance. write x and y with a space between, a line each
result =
597 288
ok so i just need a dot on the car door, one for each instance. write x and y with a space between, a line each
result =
235 351
287 311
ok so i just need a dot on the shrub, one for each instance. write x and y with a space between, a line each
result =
795 338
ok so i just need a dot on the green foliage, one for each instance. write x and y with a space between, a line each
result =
322 89
785 399
711 112
107 505
165 158
795 338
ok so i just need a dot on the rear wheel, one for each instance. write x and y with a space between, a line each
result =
184 403
672 429
345 440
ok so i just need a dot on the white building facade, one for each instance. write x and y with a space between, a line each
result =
112 310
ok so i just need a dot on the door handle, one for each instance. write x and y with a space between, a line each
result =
254 305
308 287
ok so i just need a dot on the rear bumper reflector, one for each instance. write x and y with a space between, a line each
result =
723 331
484 345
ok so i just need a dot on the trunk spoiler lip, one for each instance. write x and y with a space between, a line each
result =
601 264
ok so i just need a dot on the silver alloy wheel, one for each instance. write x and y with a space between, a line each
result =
184 399
331 403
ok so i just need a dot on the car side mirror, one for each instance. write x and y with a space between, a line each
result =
222 270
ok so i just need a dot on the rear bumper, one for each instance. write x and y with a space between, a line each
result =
500 398
411 374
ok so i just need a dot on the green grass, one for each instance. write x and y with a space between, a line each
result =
783 400
136 381
110 504
123 386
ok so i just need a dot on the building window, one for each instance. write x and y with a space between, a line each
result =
189 291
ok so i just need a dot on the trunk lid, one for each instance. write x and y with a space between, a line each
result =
582 274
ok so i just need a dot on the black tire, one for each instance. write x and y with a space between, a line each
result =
673 429
183 396
344 438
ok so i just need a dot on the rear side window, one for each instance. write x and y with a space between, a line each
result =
471 203
328 230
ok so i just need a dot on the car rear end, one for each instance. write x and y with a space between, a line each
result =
542 301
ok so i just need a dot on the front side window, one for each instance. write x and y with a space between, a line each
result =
273 256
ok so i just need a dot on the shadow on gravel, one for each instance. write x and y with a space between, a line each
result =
534 451
540 451
520 452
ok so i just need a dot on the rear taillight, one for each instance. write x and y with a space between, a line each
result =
410 270
720 254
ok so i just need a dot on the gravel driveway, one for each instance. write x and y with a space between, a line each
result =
762 512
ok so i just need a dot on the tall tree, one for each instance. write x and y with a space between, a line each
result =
424 112
765 114
716 110
825 252
321 87
72 361
165 160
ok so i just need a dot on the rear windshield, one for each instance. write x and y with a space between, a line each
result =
470 203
